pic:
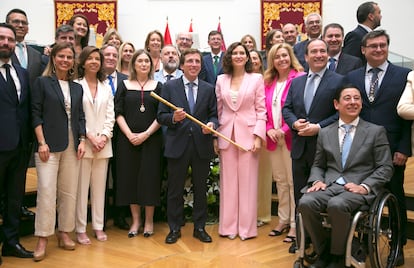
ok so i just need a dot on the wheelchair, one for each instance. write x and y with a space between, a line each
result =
375 231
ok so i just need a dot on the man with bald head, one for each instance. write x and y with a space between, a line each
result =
290 34
170 64
184 40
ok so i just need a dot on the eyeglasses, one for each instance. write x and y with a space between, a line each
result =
185 39
375 46
18 22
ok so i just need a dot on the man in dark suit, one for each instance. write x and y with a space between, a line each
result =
381 84
313 27
212 65
28 58
369 18
14 142
352 164
188 144
341 63
114 79
307 113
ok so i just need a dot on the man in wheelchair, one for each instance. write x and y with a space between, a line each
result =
352 164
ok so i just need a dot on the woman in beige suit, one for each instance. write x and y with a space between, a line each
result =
405 106
98 106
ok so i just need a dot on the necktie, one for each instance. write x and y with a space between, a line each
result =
191 96
22 58
309 91
111 83
332 62
373 88
215 64
10 82
169 76
346 143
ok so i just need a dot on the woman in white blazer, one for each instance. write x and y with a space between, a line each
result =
98 105
405 106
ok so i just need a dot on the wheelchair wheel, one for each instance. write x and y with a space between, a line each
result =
385 234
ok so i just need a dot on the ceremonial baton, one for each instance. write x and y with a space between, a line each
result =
192 118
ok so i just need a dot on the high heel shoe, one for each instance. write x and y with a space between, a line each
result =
148 233
83 239
100 235
132 234
67 244
275 232
39 254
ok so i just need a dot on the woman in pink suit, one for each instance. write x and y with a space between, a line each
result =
242 117
282 68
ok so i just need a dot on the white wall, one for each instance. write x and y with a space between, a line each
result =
238 17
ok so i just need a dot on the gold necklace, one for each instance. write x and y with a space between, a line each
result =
142 107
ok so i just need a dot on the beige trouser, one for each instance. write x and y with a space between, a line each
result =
282 174
92 175
264 197
57 184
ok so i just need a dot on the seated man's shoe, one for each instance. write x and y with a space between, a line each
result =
322 262
121 223
202 235
172 237
337 261
400 258
27 213
292 248
16 251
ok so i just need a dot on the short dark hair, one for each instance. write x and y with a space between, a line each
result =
83 56
314 40
333 25
190 51
6 25
339 90
227 62
374 34
364 10
15 10
64 28
214 32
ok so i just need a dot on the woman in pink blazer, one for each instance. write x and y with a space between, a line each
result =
282 68
242 117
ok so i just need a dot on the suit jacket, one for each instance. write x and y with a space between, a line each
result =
34 63
383 111
207 69
48 110
369 159
15 115
99 116
322 110
299 50
179 134
248 117
347 63
269 91
352 43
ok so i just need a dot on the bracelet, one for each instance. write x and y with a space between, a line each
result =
41 143
82 138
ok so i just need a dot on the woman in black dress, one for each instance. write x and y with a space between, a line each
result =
139 145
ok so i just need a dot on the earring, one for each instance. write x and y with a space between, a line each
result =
71 71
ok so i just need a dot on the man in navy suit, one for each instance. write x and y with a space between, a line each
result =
381 84
341 63
212 65
114 79
188 144
14 142
313 27
369 18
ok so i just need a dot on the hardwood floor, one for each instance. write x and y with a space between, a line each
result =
121 251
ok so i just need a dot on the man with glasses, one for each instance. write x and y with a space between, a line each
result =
24 55
369 18
313 28
184 40
381 84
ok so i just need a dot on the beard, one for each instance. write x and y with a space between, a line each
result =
170 66
6 54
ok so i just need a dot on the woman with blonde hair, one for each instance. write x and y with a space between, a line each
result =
153 45
112 37
126 50
282 68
